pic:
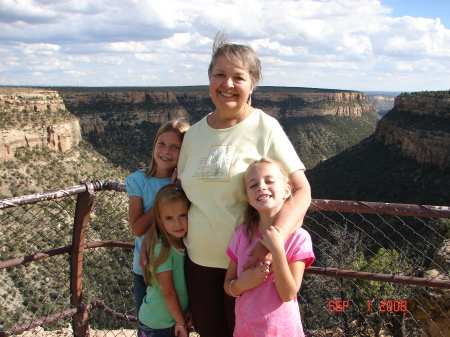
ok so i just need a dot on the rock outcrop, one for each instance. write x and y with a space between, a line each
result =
35 118
419 126
432 306
382 103
306 102
97 108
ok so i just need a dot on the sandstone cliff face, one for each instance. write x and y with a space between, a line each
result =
96 108
432 306
305 102
22 100
426 104
418 125
33 118
382 103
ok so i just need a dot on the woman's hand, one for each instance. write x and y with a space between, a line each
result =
188 319
258 253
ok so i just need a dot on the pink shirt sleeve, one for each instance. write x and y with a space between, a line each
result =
299 247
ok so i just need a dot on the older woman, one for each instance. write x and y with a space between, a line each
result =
215 153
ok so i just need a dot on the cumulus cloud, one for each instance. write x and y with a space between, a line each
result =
322 43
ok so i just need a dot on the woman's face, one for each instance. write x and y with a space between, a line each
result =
229 85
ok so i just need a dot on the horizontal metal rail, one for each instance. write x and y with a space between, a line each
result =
35 323
99 185
409 280
316 204
380 208
100 305
63 250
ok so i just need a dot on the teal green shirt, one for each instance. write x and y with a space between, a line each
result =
154 312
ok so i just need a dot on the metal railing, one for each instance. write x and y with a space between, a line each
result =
381 269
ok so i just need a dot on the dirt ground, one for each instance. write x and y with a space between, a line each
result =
67 332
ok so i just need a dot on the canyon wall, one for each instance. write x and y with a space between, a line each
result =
30 117
35 118
419 125
98 107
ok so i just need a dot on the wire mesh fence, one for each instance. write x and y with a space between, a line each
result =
357 287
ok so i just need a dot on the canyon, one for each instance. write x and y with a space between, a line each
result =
419 126
58 118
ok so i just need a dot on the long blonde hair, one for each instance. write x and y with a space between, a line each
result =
251 215
179 127
157 234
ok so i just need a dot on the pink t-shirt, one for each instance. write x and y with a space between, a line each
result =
260 311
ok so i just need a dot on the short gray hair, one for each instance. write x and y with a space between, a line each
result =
238 54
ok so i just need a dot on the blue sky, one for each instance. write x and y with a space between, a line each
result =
432 9
378 45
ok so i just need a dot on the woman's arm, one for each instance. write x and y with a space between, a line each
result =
139 221
288 276
290 217
165 280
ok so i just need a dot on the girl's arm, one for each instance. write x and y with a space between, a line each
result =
290 217
139 221
288 276
165 280
249 279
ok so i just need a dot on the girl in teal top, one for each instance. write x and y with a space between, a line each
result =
164 309
142 186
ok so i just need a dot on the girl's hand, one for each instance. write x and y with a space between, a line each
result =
188 319
180 331
254 276
273 239
174 179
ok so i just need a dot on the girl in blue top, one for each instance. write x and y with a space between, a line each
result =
164 309
142 186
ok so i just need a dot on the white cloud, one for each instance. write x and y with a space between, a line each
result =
324 43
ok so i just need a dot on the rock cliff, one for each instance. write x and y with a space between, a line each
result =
35 118
419 125
98 107
306 102
382 103
432 306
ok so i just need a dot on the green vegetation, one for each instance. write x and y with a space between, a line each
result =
371 171
37 169
419 94
318 138
426 123
19 119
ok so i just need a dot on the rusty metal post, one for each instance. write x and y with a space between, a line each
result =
85 200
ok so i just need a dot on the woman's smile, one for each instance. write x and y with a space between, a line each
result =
229 86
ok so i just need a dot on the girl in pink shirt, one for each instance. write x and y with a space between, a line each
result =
266 303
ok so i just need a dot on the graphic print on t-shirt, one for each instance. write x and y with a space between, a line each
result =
217 166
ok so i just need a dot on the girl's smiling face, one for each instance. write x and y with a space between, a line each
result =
174 219
266 190
166 153
229 85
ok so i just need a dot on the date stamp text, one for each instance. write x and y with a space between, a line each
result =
375 305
